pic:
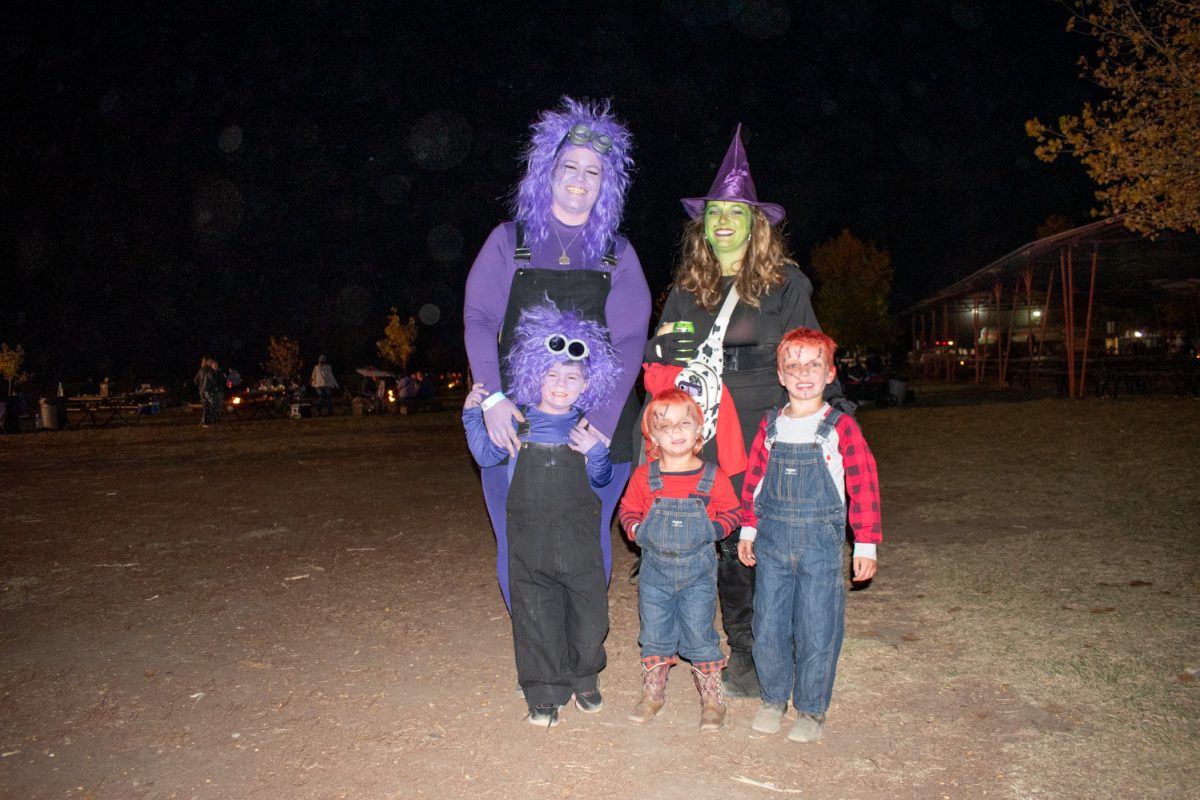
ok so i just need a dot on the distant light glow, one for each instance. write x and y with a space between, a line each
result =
430 314
230 140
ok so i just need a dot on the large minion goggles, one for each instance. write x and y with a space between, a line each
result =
581 135
560 345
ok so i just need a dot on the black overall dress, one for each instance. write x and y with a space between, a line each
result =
556 574
585 290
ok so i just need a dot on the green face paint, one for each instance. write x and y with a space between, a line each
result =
727 228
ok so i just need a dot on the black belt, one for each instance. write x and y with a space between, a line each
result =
749 356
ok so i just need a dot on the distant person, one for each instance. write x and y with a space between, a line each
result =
381 395
406 388
552 569
324 383
806 460
425 387
218 392
204 380
675 507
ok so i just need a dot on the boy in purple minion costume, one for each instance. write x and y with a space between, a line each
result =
563 245
559 367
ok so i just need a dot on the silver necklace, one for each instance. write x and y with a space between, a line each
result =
564 259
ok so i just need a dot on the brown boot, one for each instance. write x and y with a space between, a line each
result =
712 700
654 694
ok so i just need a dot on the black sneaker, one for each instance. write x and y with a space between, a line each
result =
543 716
589 701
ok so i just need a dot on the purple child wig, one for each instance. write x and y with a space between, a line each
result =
532 198
528 361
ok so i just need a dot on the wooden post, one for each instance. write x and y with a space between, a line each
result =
1046 313
975 338
1067 322
1070 292
1027 277
1012 323
997 296
1087 328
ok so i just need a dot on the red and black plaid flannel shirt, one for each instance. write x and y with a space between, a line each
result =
862 479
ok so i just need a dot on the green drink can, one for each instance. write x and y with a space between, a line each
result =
684 327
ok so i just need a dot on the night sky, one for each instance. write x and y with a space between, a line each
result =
183 182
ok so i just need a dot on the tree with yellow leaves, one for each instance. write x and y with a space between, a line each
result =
399 340
11 361
283 358
852 303
1142 143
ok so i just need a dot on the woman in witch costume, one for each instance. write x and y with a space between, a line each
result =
733 240
563 245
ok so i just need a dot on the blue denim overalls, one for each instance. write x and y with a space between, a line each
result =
556 574
677 587
799 598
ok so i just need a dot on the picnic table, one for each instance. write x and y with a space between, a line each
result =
1114 376
101 412
270 403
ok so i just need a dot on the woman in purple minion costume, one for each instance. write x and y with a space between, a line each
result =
562 244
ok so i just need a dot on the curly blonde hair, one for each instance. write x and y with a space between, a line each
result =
699 273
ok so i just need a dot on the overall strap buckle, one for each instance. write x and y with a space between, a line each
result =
521 252
704 487
610 255
656 481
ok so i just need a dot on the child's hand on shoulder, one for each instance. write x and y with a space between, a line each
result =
476 396
584 437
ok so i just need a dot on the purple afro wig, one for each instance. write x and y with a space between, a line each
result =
528 361
532 198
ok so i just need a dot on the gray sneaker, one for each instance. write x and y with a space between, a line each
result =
769 717
543 716
589 701
807 728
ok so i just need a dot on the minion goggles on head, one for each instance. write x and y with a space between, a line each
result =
560 345
581 135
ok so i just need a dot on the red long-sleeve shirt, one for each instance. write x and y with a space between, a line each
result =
722 505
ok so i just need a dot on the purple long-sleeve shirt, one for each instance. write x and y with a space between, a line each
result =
544 428
627 310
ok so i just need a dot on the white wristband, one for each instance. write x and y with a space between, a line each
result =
491 400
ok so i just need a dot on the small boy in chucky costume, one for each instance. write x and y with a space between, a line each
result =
675 507
560 366
806 460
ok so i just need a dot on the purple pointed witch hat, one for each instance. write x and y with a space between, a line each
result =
734 184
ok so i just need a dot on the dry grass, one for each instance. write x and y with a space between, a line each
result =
1031 633
1059 541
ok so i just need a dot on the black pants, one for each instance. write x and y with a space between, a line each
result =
556 575
735 588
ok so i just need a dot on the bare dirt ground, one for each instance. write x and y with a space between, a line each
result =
307 609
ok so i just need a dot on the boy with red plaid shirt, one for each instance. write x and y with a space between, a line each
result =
807 459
